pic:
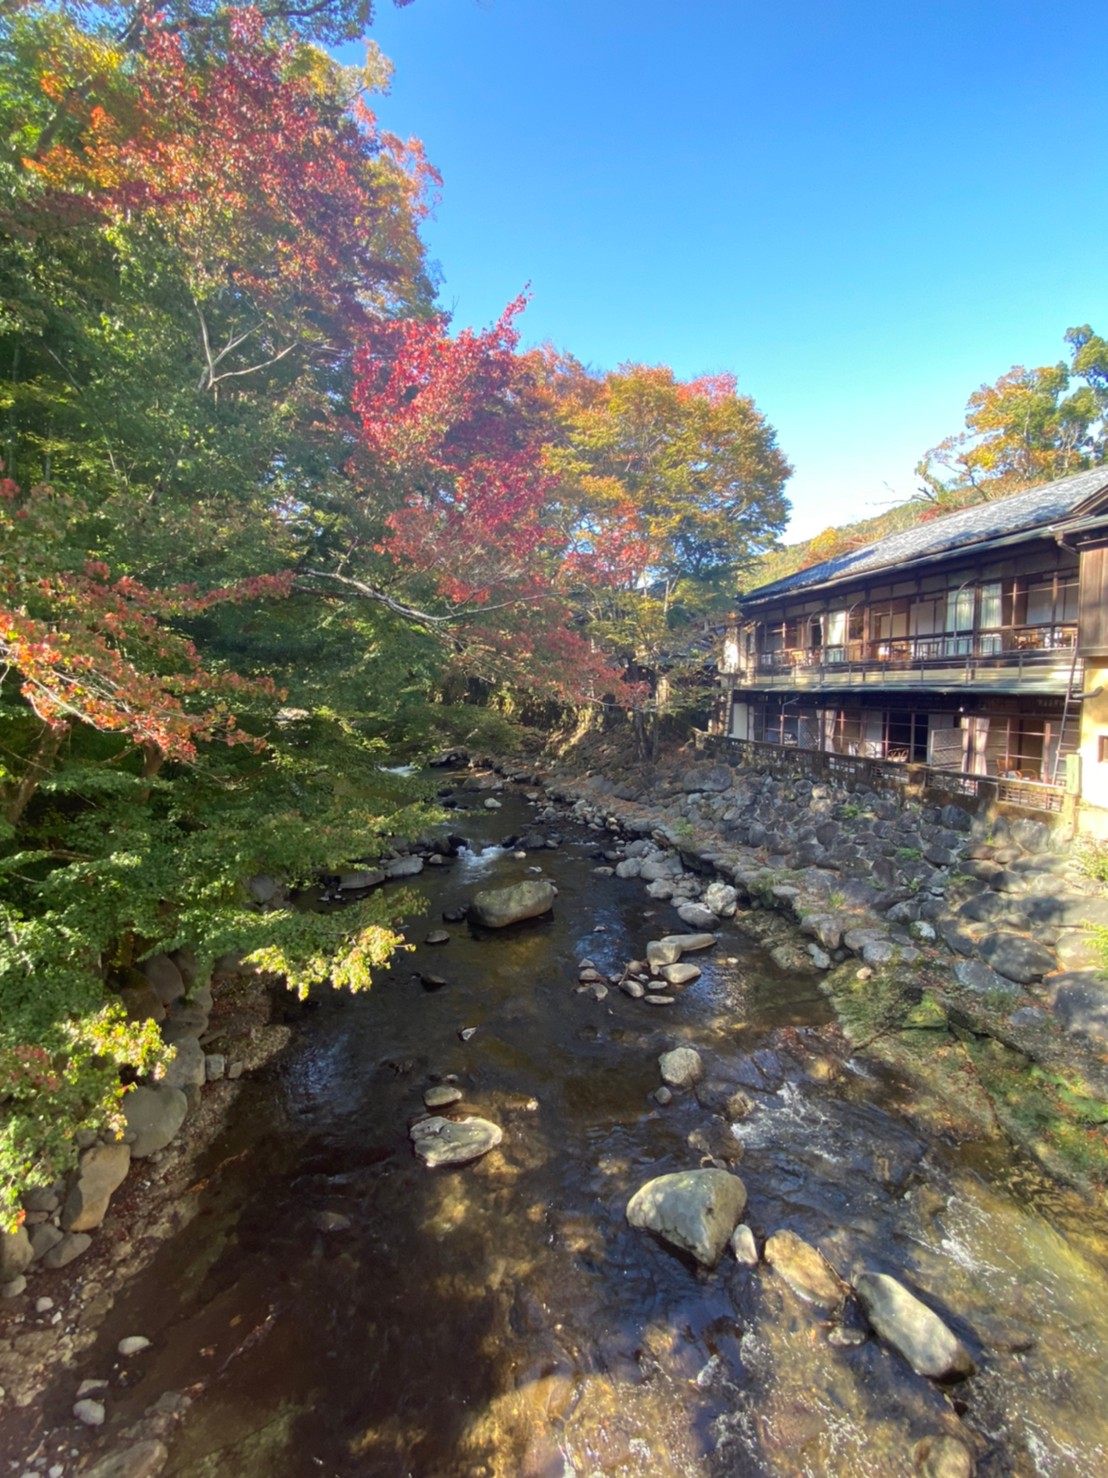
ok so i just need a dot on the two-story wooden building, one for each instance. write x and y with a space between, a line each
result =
975 642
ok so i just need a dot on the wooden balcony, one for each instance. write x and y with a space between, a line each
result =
1027 659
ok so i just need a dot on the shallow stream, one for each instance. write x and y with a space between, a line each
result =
336 1308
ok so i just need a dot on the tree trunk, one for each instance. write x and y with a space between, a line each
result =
18 797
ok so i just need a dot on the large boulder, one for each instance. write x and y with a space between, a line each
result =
100 1172
694 1210
165 977
1020 959
440 1141
496 908
697 916
154 1113
721 898
187 1068
929 1347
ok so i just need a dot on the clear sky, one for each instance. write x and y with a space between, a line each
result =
863 209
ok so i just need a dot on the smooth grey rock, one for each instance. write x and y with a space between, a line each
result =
660 952
165 978
262 888
142 1002
659 869
721 898
694 1210
1020 959
100 1171
680 976
975 975
442 1095
142 1460
441 1141
187 1068
186 1019
132 1344
697 916
215 1066
681 1067
630 867
91 1413
744 1246
154 1113
16 1254
490 803
690 944
67 1250
438 936
1079 999
13 1287
804 1269
929 1347
496 908
366 877
403 867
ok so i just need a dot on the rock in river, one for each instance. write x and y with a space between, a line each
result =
682 1067
441 1141
694 1210
495 908
804 1269
929 1347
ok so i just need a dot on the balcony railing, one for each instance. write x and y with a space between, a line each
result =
1019 649
1012 644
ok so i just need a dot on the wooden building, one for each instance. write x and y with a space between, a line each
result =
973 643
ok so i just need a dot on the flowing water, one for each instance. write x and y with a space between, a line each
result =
340 1309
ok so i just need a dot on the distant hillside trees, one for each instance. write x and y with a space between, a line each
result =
1031 426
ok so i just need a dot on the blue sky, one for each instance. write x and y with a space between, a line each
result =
864 210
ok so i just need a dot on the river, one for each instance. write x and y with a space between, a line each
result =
336 1308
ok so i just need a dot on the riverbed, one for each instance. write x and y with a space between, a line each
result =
335 1307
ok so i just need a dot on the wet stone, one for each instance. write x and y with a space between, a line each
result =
943 1457
681 1067
804 1269
906 1323
744 1246
694 1210
441 1095
441 1141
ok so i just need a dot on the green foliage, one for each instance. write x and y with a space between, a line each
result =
66 1078
1091 856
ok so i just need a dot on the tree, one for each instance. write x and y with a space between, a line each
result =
1031 426
669 487
177 345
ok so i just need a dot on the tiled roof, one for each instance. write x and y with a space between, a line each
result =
1037 508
